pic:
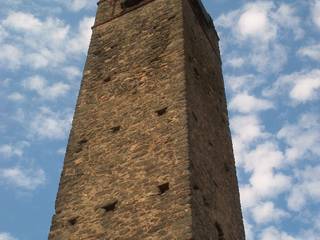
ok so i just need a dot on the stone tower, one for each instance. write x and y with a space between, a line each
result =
150 153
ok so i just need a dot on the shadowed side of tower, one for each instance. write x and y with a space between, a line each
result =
149 154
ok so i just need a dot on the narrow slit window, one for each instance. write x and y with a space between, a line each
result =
115 129
111 206
195 116
220 231
162 111
163 188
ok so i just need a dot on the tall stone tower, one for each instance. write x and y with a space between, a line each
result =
150 153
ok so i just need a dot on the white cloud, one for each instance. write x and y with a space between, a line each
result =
302 139
286 17
6 236
72 72
8 151
16 96
21 21
10 56
258 25
235 62
316 12
247 128
80 42
242 83
267 212
41 42
246 103
52 125
302 86
255 23
40 85
306 189
311 51
271 233
28 179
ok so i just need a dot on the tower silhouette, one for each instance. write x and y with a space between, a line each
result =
150 153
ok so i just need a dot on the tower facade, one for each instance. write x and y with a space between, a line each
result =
150 153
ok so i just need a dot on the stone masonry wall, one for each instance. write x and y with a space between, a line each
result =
150 154
125 174
216 210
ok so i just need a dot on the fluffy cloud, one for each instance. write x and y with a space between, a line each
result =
311 51
316 12
22 22
28 179
51 125
10 150
80 42
302 138
41 42
273 233
254 22
6 236
41 87
10 56
242 83
267 212
16 96
302 86
72 72
246 103
258 25
306 189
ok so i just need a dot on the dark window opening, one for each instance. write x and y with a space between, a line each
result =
196 72
162 111
72 221
107 79
83 141
163 188
195 116
196 187
110 206
115 129
220 231
129 3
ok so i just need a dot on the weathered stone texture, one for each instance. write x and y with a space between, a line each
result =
149 154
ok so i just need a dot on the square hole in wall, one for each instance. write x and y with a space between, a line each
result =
110 206
163 188
162 111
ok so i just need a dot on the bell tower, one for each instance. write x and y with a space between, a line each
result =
150 153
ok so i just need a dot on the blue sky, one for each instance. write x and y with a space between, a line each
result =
271 56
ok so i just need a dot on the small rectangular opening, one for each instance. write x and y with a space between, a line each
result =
162 111
111 206
115 129
163 188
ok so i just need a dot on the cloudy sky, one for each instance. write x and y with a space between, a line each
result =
271 56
